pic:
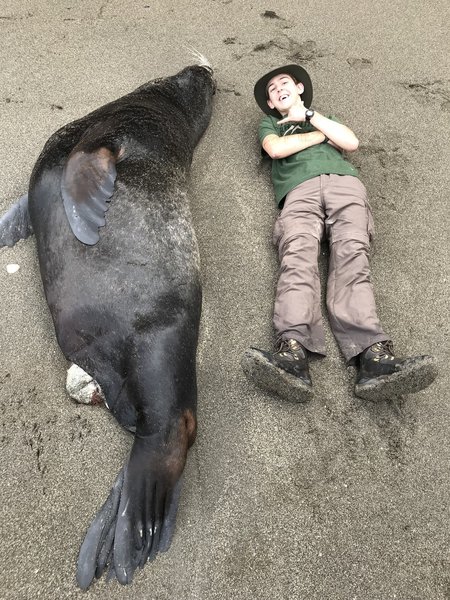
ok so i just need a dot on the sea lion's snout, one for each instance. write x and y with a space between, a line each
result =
204 63
195 87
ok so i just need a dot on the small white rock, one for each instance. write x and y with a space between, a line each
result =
12 268
81 387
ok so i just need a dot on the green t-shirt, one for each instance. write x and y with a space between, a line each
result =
319 159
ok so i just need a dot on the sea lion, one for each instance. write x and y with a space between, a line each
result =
126 299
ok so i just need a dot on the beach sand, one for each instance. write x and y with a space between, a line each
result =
334 500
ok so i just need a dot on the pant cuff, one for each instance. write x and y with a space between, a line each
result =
307 343
352 350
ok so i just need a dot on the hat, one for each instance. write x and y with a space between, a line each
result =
299 74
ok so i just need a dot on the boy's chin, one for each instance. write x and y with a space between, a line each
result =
284 108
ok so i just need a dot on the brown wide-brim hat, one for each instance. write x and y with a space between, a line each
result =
297 72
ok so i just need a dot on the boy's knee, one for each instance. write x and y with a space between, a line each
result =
299 242
353 245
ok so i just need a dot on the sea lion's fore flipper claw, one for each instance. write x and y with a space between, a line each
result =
97 546
87 187
15 224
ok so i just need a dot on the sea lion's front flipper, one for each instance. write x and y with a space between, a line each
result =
15 224
87 186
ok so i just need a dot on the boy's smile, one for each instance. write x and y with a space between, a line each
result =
283 92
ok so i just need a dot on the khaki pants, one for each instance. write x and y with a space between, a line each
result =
336 205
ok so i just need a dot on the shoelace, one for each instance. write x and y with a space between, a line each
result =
286 349
386 347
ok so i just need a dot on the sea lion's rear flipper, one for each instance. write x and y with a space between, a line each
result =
96 549
138 519
87 186
15 224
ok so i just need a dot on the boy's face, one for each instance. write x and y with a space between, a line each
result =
283 92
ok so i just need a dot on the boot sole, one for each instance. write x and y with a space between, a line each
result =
271 378
416 375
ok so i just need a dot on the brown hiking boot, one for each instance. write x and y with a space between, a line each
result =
382 376
284 372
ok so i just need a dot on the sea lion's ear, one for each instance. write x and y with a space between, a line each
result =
87 186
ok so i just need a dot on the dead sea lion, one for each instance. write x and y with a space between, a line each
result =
120 269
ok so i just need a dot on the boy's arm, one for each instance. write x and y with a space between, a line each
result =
280 147
339 134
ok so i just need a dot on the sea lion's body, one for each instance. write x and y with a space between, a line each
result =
126 307
140 280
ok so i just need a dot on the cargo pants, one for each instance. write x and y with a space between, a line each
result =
337 206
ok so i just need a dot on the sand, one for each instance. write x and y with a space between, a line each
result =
333 500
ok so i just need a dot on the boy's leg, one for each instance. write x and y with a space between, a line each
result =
297 315
350 297
351 302
297 233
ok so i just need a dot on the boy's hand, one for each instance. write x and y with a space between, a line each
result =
296 114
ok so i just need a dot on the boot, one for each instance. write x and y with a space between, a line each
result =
284 372
382 376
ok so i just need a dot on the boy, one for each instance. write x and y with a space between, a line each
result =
319 192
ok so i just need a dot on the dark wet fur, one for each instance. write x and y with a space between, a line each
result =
127 309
